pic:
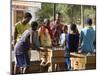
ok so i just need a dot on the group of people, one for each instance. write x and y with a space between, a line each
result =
38 36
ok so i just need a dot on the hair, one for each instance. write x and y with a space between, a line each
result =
27 15
47 21
73 28
34 24
88 21
58 15
65 28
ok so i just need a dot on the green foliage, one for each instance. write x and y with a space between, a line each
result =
90 11
46 11
70 13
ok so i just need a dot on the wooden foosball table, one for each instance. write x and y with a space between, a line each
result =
56 58
83 61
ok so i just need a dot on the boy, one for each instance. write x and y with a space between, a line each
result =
21 26
63 42
29 39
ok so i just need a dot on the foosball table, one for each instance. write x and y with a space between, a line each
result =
83 61
56 59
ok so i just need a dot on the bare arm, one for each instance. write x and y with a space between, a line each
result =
15 35
35 44
80 41
31 39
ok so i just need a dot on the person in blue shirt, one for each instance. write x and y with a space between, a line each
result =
87 37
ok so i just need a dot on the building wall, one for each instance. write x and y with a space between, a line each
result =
20 7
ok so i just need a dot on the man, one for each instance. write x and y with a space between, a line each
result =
87 37
21 26
56 30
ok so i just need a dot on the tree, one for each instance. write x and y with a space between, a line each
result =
70 13
45 12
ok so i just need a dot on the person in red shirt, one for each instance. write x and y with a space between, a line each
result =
56 29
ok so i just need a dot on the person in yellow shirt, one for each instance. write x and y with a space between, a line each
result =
45 42
44 35
21 26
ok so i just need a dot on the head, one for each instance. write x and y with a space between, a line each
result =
73 28
58 15
65 29
88 21
27 17
34 25
58 18
46 22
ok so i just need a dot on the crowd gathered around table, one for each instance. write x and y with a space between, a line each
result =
51 34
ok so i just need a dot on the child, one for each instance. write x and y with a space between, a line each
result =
73 38
63 36
28 39
72 44
63 43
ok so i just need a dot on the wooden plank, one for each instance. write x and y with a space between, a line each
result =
58 60
90 59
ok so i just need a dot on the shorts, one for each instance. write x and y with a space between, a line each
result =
22 60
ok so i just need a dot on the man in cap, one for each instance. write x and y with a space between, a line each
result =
87 37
